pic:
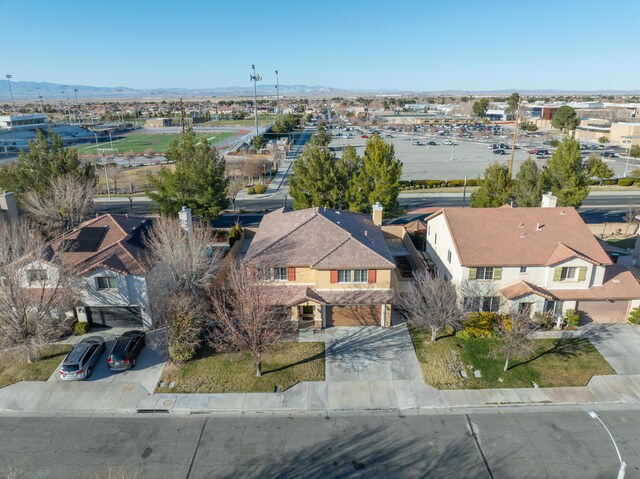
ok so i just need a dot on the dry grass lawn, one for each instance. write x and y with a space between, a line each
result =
554 363
210 372
13 370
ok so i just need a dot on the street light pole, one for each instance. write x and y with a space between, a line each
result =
277 94
13 103
255 77
623 465
77 115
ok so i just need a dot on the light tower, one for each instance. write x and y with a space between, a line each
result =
255 77
77 115
13 103
277 94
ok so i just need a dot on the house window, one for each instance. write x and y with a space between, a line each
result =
360 276
482 303
107 282
568 273
344 276
280 274
553 307
523 269
36 275
449 256
484 273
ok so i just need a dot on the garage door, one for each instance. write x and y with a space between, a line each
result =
115 317
353 315
603 311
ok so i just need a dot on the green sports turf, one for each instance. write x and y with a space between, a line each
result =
138 143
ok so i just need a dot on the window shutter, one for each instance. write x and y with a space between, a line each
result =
557 272
334 276
497 274
472 273
582 274
372 276
291 274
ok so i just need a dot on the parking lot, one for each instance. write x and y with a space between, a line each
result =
466 156
149 363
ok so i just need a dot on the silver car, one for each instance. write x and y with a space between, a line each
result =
79 362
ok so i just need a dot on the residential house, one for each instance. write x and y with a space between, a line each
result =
339 268
529 259
115 284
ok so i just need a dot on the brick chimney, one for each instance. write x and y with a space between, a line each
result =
377 214
549 201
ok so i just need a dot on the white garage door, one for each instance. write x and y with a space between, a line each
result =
603 311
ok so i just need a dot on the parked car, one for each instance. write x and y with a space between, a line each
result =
125 350
493 146
609 154
498 151
78 364
364 136
416 142
431 143
533 152
447 142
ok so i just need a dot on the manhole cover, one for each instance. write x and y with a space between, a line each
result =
168 402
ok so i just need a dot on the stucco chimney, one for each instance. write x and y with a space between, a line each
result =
185 220
549 201
8 208
377 214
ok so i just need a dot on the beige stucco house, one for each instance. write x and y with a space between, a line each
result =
529 259
338 268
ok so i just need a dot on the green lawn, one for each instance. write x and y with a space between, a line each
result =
555 363
262 121
623 242
13 370
284 366
138 143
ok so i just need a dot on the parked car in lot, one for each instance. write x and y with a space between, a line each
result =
498 151
533 152
78 364
431 143
125 350
493 146
416 142
609 154
447 142
364 136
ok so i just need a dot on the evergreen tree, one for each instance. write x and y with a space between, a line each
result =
315 180
495 188
566 175
198 180
322 137
349 167
598 168
528 185
379 178
565 118
45 160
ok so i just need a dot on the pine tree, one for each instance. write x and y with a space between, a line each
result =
349 167
198 180
495 188
528 185
566 175
315 180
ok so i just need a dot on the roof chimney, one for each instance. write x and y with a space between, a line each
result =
549 201
377 214
186 221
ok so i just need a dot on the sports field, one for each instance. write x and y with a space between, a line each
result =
139 143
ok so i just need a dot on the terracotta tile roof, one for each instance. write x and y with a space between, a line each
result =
120 248
319 238
293 295
520 236
618 284
522 288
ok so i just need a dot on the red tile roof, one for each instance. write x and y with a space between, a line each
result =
520 236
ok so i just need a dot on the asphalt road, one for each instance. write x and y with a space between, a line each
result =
493 445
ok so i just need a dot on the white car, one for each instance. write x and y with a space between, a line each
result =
448 142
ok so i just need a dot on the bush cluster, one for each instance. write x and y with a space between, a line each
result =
81 327
634 316
259 189
571 318
483 324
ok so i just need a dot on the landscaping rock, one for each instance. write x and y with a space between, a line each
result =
162 384
172 384
534 385
476 374
463 373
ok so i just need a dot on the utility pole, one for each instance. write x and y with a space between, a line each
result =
277 95
13 103
515 137
77 115
182 115
40 99
255 77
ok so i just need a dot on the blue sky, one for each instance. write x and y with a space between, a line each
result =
412 45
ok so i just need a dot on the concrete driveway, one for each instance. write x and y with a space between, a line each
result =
149 363
619 343
370 353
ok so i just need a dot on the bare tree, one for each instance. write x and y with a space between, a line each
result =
129 156
114 174
186 265
34 290
431 303
149 152
516 338
252 167
234 186
630 216
64 205
248 315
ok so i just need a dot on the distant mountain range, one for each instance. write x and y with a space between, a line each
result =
24 90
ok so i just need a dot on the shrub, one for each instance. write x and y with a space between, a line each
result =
81 327
610 182
626 181
543 320
571 318
251 190
481 324
259 189
463 335
592 182
455 182
634 316
404 184
235 234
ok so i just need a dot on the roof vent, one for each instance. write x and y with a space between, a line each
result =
562 212
521 225
539 226
616 281
366 233
523 235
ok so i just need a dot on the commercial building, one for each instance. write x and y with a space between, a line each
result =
23 122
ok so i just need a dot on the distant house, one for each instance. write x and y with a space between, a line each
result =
339 268
157 122
116 284
529 259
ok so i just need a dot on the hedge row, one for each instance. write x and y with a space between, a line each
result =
426 184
